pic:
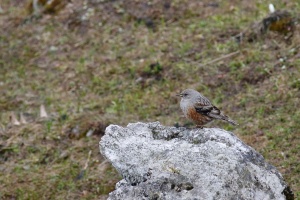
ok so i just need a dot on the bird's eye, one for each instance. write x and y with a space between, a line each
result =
183 94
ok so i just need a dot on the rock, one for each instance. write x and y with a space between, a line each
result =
170 163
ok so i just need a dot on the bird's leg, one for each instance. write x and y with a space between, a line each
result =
199 126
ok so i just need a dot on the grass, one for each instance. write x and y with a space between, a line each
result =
125 63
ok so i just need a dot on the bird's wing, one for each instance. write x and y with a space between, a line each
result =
209 110
204 107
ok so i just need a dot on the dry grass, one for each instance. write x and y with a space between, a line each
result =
96 63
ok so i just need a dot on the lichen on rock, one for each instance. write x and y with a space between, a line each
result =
159 162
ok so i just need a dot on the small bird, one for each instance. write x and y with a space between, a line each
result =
199 109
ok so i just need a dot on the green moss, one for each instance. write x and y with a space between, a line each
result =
94 72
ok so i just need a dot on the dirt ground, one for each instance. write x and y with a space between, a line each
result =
96 62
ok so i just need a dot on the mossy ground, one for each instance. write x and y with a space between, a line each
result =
101 62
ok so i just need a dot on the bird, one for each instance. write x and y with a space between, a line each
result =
199 109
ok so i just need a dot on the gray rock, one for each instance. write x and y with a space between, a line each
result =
170 163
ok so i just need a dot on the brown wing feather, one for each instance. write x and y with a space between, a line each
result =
216 114
213 112
207 109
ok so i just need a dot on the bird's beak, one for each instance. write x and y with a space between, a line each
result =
179 95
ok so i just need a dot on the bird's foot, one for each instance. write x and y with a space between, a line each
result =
199 126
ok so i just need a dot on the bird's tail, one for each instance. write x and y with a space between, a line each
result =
231 121
227 119
223 117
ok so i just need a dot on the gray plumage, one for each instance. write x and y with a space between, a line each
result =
193 103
